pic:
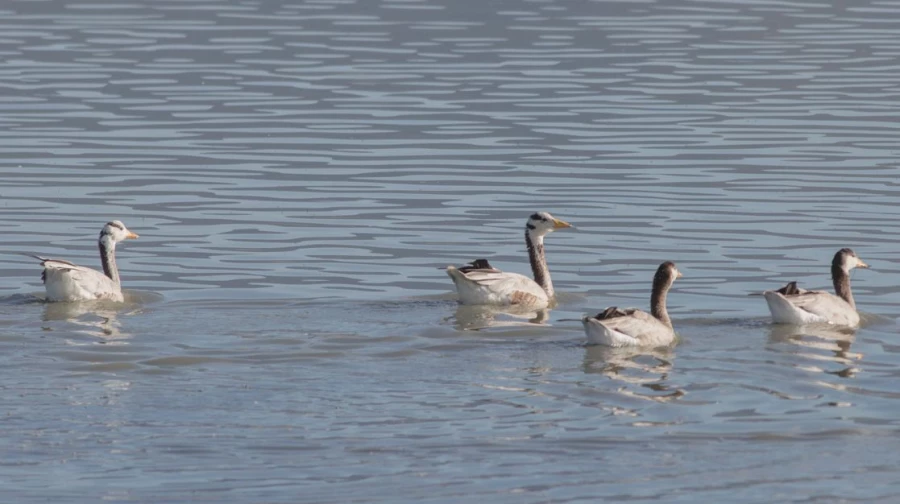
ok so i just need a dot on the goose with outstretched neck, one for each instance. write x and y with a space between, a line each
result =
793 305
479 283
630 327
65 281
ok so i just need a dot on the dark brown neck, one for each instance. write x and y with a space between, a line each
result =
841 279
658 300
108 260
539 263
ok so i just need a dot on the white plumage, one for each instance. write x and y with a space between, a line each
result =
65 281
792 305
481 284
630 327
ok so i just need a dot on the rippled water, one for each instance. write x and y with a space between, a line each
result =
298 174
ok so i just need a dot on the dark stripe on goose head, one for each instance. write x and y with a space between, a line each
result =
106 232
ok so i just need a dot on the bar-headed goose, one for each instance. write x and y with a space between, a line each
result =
792 305
479 283
629 327
65 281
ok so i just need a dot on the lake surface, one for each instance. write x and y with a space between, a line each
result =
300 172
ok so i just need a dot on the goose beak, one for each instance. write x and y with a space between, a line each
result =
678 274
861 264
131 236
559 224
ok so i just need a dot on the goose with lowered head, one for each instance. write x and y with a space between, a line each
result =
632 327
65 281
793 305
481 284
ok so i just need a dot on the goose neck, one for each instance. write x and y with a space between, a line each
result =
535 245
658 301
841 279
108 259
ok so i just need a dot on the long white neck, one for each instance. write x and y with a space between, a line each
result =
535 245
108 258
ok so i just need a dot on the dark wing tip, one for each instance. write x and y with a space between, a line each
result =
789 289
481 264
609 313
477 264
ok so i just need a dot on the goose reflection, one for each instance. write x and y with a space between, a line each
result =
819 342
97 319
475 317
647 368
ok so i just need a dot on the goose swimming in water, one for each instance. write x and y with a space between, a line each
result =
481 284
65 281
793 305
630 327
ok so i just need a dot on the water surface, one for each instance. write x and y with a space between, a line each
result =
300 172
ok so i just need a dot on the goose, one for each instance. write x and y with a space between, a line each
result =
479 283
65 281
793 305
632 327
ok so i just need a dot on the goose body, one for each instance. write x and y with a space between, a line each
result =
631 327
792 305
495 287
66 281
481 284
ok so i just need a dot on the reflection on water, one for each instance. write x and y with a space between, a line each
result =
93 318
100 319
819 344
647 368
475 317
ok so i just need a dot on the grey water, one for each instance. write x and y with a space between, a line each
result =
299 172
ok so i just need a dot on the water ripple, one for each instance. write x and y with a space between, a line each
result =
298 174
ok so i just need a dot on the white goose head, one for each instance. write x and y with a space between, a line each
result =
541 223
114 232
